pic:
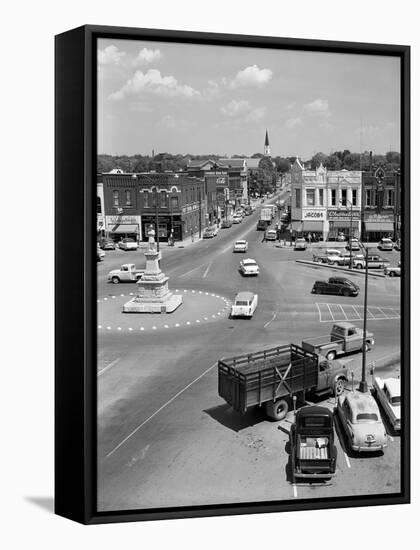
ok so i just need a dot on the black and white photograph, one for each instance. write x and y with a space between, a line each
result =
250 259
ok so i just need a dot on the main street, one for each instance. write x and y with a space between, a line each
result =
165 437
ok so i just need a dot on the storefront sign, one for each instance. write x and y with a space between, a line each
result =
378 218
129 220
343 215
318 215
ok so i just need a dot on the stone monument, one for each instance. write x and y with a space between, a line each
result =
153 294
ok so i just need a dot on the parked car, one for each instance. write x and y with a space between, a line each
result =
209 233
226 224
244 304
386 244
353 244
374 262
237 218
359 416
336 285
249 267
270 235
322 256
240 246
100 254
262 225
107 244
388 394
300 244
393 271
397 245
128 244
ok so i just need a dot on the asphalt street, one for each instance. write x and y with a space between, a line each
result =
165 437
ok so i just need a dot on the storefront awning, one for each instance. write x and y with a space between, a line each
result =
124 229
312 225
296 226
379 226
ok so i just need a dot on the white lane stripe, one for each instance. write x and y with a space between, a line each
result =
158 411
329 309
271 320
356 312
206 272
344 313
294 490
112 364
191 271
347 460
319 312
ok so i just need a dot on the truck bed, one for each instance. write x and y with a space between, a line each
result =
310 448
254 379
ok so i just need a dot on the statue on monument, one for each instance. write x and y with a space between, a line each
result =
152 244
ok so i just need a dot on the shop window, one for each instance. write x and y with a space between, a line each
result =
389 197
321 197
98 205
370 197
344 197
146 202
174 203
354 197
115 198
310 197
333 197
163 199
298 198
127 197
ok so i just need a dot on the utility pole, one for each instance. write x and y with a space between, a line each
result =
199 213
157 218
363 387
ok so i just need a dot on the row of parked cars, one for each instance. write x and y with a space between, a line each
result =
336 257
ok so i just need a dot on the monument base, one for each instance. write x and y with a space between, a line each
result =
165 306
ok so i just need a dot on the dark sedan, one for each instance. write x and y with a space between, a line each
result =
336 285
107 244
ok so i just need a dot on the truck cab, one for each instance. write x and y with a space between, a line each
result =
312 449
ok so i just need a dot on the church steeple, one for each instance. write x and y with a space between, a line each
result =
267 149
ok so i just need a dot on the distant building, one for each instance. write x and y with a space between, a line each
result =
267 148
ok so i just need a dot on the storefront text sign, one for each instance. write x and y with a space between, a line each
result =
342 215
377 218
313 215
114 220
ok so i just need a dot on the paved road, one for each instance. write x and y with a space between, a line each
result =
165 436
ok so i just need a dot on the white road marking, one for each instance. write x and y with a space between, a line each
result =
295 494
347 460
207 271
99 326
141 328
112 364
329 309
344 313
356 312
130 328
191 271
271 320
390 437
119 328
158 411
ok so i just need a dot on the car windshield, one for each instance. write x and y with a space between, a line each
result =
240 242
250 262
241 303
396 400
367 417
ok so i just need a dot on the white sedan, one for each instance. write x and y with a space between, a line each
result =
240 246
392 271
388 393
249 267
237 218
244 304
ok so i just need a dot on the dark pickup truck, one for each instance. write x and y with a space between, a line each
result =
271 377
312 450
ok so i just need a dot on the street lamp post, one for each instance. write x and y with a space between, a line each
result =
351 232
363 387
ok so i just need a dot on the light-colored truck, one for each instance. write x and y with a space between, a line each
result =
265 214
344 338
125 274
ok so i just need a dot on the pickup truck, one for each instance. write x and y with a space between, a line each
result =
312 450
344 338
126 273
272 376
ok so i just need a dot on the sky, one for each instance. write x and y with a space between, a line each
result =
199 99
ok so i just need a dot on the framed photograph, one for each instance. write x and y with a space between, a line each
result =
232 274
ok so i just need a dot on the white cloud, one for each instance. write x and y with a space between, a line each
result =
294 122
255 115
146 56
252 76
236 108
153 82
317 107
326 125
169 122
111 55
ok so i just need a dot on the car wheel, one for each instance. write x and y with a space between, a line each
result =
115 280
331 355
335 263
277 410
340 386
366 347
346 292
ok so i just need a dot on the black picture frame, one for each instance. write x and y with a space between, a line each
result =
75 272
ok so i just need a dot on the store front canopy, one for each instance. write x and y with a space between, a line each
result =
312 226
296 226
379 226
124 229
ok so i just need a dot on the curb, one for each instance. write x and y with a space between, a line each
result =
339 268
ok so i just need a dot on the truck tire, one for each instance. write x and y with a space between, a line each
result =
277 410
331 355
339 386
115 280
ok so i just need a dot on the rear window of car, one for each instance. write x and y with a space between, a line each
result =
367 417
241 303
396 400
